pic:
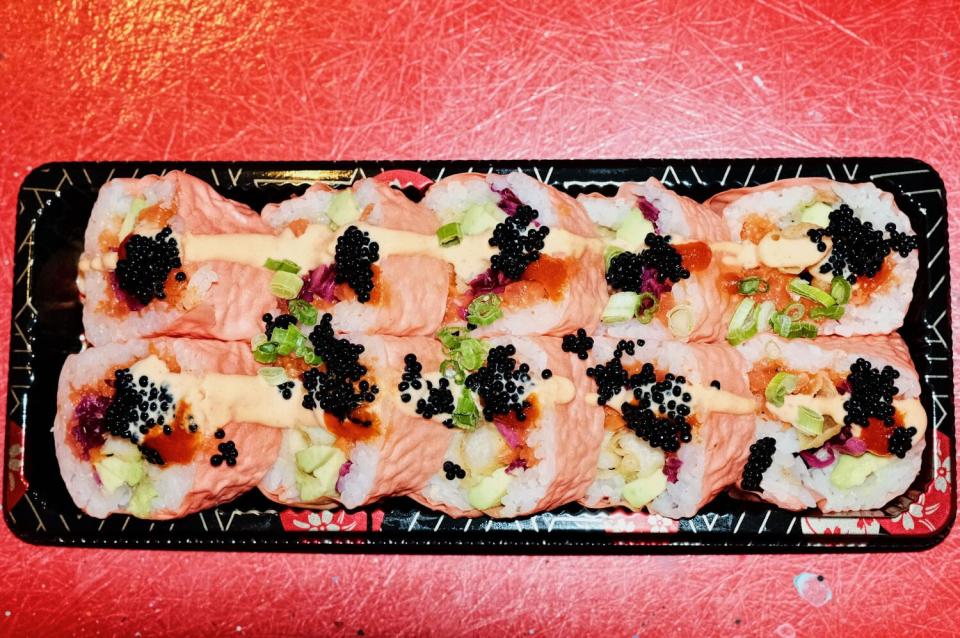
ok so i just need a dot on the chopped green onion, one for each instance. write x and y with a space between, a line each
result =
784 326
258 340
287 340
130 219
466 413
450 336
272 375
782 384
282 265
304 311
285 285
452 370
800 287
647 306
265 353
743 324
680 321
470 353
752 285
840 290
484 310
767 308
449 234
620 307
795 311
312 358
809 421
608 254
833 312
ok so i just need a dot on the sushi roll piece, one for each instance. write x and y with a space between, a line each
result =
815 257
361 445
147 270
373 260
840 425
163 428
678 423
660 270
525 255
522 436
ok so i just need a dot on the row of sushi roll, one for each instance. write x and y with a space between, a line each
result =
496 348
505 254
502 426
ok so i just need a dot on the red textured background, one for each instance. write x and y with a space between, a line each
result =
499 79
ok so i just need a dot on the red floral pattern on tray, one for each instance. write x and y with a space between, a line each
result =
931 511
331 521
621 521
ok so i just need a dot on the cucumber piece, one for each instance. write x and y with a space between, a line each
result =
851 471
480 218
817 214
343 208
634 229
310 458
643 490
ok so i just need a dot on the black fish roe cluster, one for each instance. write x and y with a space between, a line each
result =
146 264
858 248
411 377
353 260
453 471
439 399
334 389
759 461
150 455
667 433
286 390
901 440
499 384
519 244
610 377
871 394
228 454
138 404
579 343
626 269
282 321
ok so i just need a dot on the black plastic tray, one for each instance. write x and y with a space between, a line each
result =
55 202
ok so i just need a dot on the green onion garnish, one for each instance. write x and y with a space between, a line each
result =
795 311
743 324
265 353
782 384
470 353
680 321
833 312
449 234
608 254
312 358
466 413
752 285
784 326
647 306
304 311
767 308
800 287
282 265
288 340
809 421
450 336
285 285
272 375
840 290
452 370
620 307
484 310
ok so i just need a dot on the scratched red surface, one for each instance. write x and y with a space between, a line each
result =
233 80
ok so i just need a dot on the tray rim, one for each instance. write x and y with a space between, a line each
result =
411 542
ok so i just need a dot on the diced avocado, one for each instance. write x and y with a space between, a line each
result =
643 490
142 501
480 218
320 479
488 492
851 471
130 219
115 471
817 213
123 448
634 228
310 458
343 208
